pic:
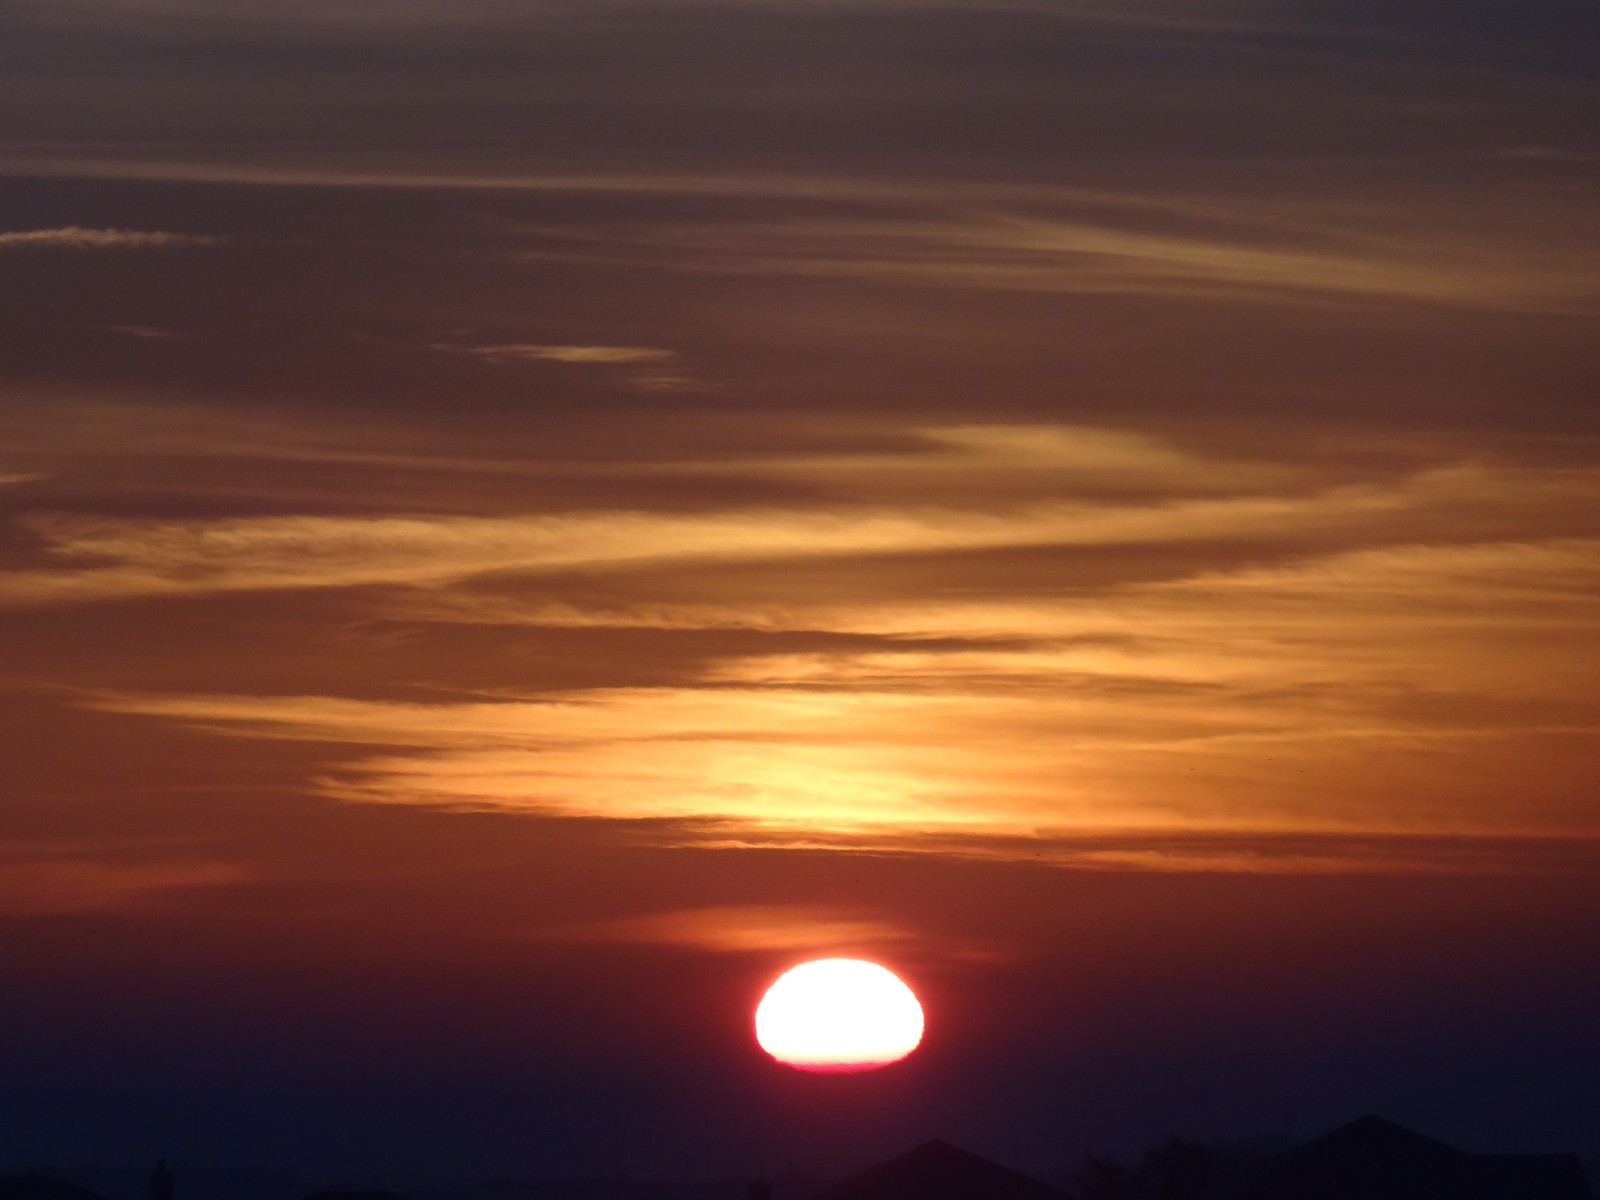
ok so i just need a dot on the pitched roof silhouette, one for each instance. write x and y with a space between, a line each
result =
937 1170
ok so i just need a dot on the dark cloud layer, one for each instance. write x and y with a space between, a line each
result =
1048 91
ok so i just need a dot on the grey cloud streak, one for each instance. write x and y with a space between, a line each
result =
1044 90
72 237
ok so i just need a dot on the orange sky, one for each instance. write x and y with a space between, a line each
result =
518 523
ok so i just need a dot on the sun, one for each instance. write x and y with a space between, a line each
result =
839 1014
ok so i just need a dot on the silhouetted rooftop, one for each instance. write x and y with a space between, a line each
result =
937 1170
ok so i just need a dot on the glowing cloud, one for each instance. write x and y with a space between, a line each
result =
577 355
1281 658
743 929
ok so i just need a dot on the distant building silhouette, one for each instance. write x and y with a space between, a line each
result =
939 1171
161 1181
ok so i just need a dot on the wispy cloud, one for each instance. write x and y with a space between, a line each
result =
144 333
89 885
106 559
1007 235
1336 715
134 431
743 929
1328 673
576 355
1381 692
1324 852
981 462
168 558
1028 252
74 237
647 368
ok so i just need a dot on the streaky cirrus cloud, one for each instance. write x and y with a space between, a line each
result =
175 558
576 355
1009 488
74 237
1376 699
83 885
650 369
1329 671
744 928
1028 252
1113 778
144 333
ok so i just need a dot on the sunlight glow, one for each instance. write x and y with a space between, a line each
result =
1106 651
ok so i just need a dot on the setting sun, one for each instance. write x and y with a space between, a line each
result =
839 1014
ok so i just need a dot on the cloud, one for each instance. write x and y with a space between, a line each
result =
88 885
1176 851
1135 88
1147 780
1189 239
1383 692
1275 756
174 558
107 558
979 462
1022 251
1106 651
744 929
144 333
135 431
652 369
299 552
576 355
74 237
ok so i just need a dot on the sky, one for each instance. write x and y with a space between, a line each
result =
520 520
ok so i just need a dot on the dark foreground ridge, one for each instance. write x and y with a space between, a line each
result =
1368 1159
1375 1159
41 1187
939 1171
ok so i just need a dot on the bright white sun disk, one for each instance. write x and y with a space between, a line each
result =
839 1014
